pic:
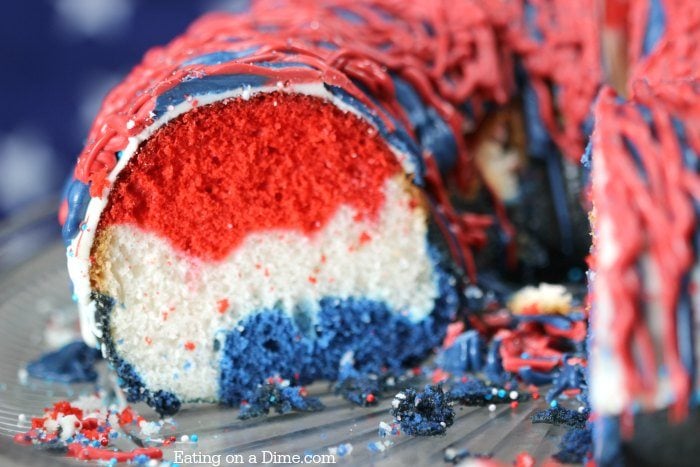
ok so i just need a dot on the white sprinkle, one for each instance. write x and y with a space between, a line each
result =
384 427
130 124
400 395
22 376
245 95
513 395
67 424
581 409
152 463
494 391
395 403
473 292
443 424
184 439
492 407
21 418
50 425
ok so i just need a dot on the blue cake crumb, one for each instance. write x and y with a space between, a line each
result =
475 392
575 446
72 363
426 413
359 388
281 398
558 415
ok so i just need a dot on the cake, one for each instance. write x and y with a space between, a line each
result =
306 186
644 191
264 196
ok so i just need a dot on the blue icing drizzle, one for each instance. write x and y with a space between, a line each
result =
656 26
531 22
432 131
349 15
78 197
607 444
213 84
539 142
72 363
634 153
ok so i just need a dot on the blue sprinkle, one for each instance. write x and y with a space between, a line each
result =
113 434
342 450
553 404
501 393
187 365
194 438
141 459
524 355
488 397
74 297
83 226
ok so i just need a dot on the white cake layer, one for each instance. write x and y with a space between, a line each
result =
166 300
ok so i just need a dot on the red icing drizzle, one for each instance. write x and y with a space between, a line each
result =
652 215
89 453
221 172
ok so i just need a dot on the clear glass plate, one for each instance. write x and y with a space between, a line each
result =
36 294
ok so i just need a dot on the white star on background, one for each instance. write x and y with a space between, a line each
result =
93 18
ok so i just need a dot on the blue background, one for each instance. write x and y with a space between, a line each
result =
59 59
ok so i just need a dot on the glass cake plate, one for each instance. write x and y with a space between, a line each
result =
35 293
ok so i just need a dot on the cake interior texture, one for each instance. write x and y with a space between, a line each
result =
263 237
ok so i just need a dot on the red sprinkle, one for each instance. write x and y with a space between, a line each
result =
222 305
370 398
365 238
189 345
524 459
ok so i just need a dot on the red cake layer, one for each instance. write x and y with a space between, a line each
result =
276 161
